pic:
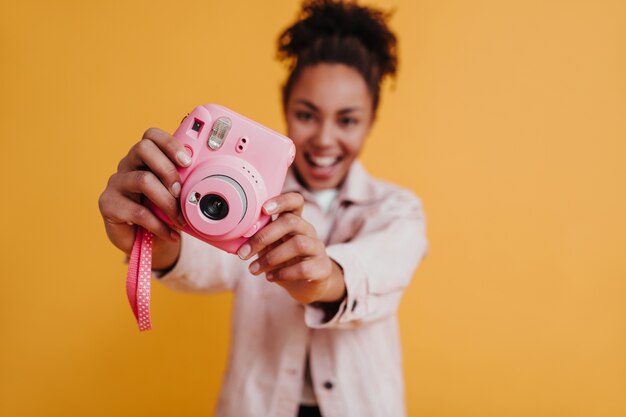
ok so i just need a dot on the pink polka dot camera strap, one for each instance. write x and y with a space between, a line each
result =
138 278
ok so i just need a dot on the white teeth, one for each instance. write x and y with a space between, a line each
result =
324 161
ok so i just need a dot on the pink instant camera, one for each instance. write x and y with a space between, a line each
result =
237 165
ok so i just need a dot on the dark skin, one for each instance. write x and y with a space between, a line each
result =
291 255
328 115
289 252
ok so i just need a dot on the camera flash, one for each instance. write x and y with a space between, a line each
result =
218 132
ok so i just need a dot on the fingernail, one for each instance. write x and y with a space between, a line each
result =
175 236
254 267
269 276
244 251
176 189
270 207
183 157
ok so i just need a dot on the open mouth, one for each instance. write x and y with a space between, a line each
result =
322 161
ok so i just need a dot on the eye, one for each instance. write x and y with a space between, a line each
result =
348 121
304 116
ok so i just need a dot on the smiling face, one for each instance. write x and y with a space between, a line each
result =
329 114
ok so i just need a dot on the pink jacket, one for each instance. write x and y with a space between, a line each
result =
375 231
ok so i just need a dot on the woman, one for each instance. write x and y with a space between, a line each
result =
318 335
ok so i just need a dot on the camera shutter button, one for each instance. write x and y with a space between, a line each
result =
251 231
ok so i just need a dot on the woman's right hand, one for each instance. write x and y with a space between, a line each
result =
148 171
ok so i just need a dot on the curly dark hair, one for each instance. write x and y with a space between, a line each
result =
340 32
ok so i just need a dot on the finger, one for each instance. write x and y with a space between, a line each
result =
296 248
285 224
146 183
311 270
268 248
128 212
293 202
147 154
168 144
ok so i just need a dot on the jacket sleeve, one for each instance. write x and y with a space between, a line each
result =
202 268
378 263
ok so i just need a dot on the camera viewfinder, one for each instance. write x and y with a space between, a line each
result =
197 125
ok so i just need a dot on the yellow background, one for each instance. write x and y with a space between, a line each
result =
507 118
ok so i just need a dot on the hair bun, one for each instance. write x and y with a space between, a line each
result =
319 19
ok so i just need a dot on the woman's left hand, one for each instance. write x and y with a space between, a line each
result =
291 255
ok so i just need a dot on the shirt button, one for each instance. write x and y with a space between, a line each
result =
328 385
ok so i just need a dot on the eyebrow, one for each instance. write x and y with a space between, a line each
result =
313 107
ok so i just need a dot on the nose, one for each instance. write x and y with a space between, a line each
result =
325 135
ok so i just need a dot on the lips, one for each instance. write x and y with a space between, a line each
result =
321 161
322 167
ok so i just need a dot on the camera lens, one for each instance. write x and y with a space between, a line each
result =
214 207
